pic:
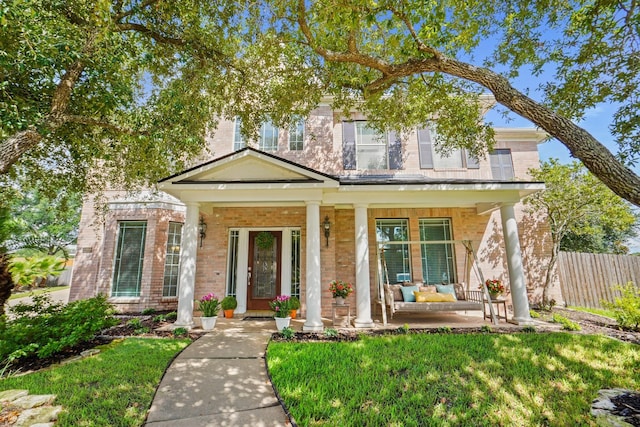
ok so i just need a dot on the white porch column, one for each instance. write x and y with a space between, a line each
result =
188 267
313 277
514 264
363 290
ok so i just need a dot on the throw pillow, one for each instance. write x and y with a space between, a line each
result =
460 294
434 297
397 293
446 289
407 293
429 288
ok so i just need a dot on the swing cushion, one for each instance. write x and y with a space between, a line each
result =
447 289
434 297
407 293
460 293
428 288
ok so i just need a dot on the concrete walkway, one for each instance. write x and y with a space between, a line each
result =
220 380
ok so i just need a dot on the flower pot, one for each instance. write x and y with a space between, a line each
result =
494 295
293 314
339 301
282 322
228 313
208 323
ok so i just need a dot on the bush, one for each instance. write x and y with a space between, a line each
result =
534 314
288 333
43 328
229 302
180 332
148 311
567 324
171 316
626 309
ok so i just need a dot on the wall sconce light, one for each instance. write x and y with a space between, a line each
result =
202 229
327 228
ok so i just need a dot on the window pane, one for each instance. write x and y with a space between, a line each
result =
438 261
453 160
238 139
127 271
172 260
371 148
295 263
268 140
232 262
296 135
501 164
396 256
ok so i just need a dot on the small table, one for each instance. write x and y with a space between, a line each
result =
334 312
497 302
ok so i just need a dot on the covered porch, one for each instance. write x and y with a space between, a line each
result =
251 190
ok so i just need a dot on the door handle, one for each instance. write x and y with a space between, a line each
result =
248 278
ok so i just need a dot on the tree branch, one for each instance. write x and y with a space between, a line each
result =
69 118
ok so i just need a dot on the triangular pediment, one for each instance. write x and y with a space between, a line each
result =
249 166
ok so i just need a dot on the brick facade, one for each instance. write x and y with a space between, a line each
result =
93 271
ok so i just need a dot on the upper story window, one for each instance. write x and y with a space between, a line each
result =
431 159
268 139
365 148
238 139
501 164
296 135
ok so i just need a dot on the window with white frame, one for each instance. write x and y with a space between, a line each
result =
172 260
232 262
371 147
296 135
396 256
127 267
295 263
438 257
268 139
430 158
238 139
501 164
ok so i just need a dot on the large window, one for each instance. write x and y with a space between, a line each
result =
501 164
396 256
268 140
371 147
172 260
296 135
127 269
430 158
438 260
238 139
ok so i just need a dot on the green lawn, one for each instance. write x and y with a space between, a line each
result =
446 379
599 311
113 388
36 291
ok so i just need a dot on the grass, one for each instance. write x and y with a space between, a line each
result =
113 388
37 291
450 379
598 311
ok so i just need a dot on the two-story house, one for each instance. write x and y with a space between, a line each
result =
299 207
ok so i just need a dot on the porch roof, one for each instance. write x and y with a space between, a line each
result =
252 177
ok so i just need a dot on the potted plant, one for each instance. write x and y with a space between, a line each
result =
295 305
340 290
228 304
209 305
495 287
281 306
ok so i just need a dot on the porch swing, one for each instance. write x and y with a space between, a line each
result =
471 300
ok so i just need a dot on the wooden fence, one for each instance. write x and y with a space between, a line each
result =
587 279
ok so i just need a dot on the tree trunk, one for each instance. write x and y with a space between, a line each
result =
549 274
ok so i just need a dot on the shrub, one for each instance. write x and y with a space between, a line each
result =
288 333
43 328
486 329
171 316
444 329
404 329
148 311
180 332
229 303
566 323
159 318
534 314
529 329
330 333
626 309
134 323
